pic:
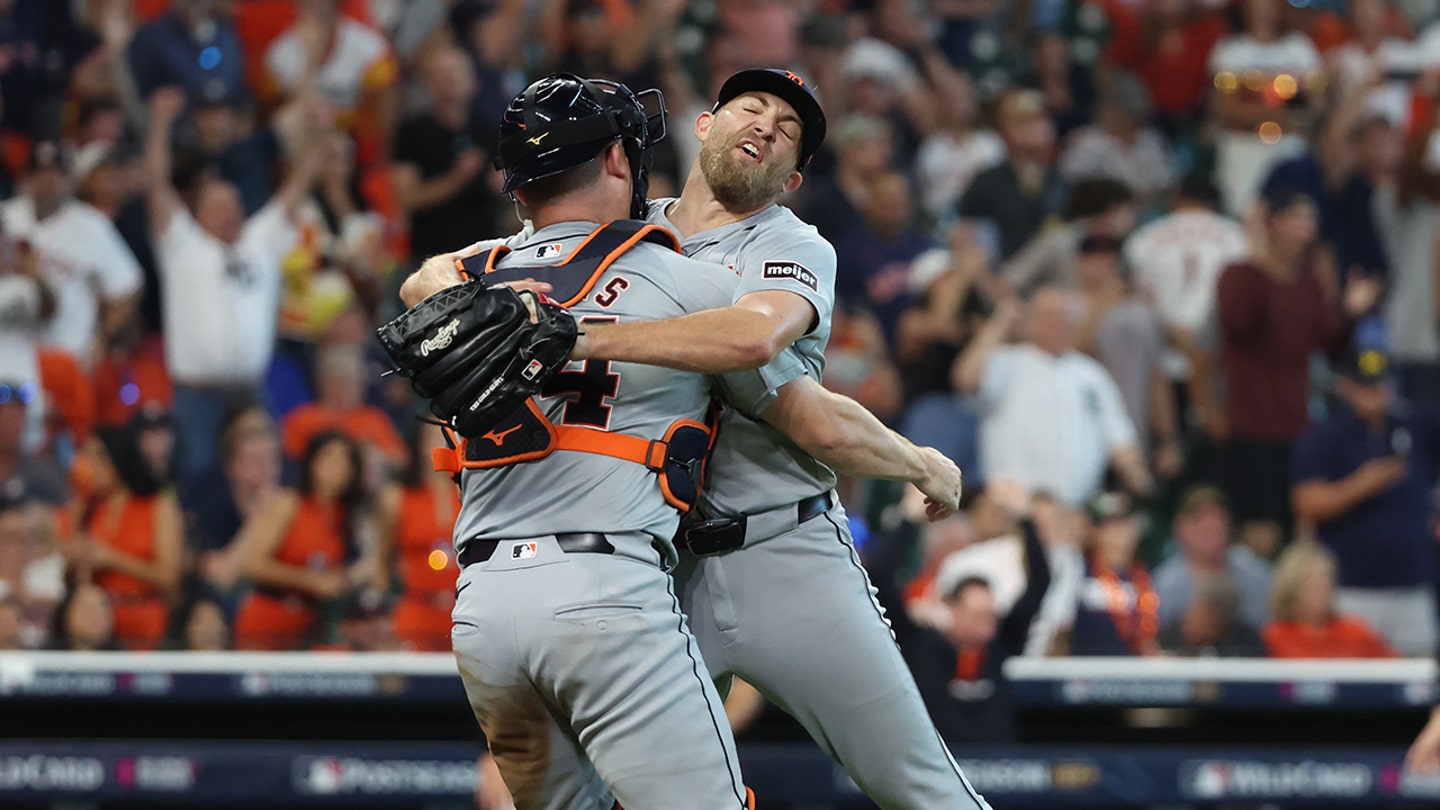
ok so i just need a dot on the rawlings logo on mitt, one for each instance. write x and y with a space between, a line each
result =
478 352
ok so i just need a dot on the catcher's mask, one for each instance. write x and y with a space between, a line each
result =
563 121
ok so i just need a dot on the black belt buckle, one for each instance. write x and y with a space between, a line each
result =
706 538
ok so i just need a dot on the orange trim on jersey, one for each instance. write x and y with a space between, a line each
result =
749 799
610 259
494 256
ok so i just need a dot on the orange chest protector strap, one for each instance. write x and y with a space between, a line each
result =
678 459
575 276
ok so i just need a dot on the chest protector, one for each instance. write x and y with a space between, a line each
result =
678 458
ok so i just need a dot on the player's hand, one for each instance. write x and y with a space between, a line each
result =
1424 753
437 273
942 485
537 287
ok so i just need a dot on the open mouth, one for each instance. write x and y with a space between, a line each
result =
751 150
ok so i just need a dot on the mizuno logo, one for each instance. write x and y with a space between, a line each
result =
498 437
442 338
535 141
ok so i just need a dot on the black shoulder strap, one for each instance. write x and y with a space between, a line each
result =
572 279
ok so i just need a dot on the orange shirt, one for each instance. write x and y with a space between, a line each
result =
420 533
365 424
1342 637
124 385
69 391
313 540
128 526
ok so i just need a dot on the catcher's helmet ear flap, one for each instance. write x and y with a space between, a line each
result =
563 121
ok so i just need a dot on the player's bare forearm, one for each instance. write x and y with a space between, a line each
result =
711 342
841 433
435 274
745 335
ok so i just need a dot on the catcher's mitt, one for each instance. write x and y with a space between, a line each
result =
478 352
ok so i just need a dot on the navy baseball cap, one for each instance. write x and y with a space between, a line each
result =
794 90
1366 366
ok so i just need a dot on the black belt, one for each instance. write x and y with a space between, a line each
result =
812 507
708 537
478 551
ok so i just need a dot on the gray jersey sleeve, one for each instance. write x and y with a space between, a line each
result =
793 258
752 391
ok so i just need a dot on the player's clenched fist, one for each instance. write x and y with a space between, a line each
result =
942 485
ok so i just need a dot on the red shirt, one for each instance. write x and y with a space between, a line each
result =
1343 637
1268 328
1174 65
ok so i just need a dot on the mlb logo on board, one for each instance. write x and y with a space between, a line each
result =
546 251
524 551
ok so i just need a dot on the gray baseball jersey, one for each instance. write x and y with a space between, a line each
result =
772 250
578 492
578 663
834 666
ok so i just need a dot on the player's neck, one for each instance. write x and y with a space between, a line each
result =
697 209
577 208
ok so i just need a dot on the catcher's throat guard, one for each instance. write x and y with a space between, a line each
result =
678 458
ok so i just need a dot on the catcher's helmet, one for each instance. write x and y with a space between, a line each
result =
563 121
793 89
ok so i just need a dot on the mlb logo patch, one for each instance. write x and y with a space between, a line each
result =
549 251
533 370
524 551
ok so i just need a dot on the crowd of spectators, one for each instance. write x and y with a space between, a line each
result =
1158 274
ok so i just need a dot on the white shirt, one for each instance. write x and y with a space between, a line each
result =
1145 165
19 332
1293 53
1352 64
945 166
221 301
1057 608
359 61
1050 422
1407 233
1177 261
1000 561
19 323
84 260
